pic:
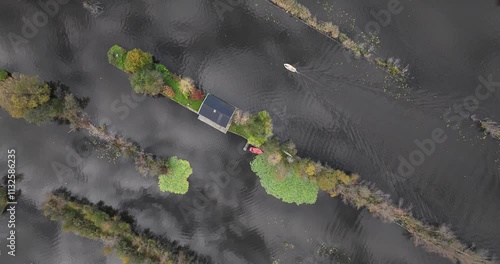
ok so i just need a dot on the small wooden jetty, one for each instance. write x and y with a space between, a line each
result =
216 113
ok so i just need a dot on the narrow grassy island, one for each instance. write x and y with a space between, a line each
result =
154 79
149 78
101 223
39 102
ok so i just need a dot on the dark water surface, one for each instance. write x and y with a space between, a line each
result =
343 118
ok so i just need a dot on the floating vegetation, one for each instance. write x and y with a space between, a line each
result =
94 7
366 50
489 126
335 255
102 223
288 245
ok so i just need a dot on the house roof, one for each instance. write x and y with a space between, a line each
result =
216 110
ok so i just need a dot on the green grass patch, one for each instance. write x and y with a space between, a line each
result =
292 188
173 81
3 75
117 56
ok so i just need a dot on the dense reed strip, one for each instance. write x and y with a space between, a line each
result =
124 237
293 179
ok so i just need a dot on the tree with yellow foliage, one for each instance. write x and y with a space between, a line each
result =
20 94
137 60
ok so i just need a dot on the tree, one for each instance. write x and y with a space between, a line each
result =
21 93
327 180
72 109
261 128
310 169
147 165
147 82
45 112
175 181
137 60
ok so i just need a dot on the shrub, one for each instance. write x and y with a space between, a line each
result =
117 56
261 128
175 181
165 73
3 75
168 91
147 82
21 94
138 60
196 95
186 85
310 169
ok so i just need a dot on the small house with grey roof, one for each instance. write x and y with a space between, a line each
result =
216 113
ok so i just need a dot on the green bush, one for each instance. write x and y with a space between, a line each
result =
3 75
175 181
138 60
257 130
291 188
147 82
117 56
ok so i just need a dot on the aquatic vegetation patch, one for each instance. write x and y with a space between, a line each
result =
175 181
104 224
290 187
489 126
